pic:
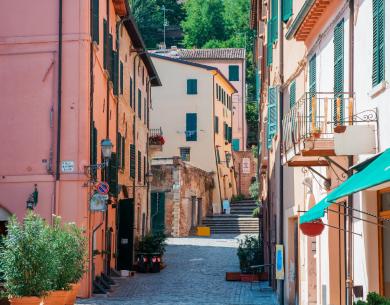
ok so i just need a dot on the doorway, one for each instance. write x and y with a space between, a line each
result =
158 212
384 243
200 213
125 234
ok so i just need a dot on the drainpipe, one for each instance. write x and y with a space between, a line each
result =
243 106
281 109
215 148
59 106
349 279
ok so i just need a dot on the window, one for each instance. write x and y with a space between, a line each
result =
131 92
338 64
216 124
191 127
145 112
236 144
312 82
119 149
229 134
225 131
272 116
292 94
287 9
94 147
121 77
234 73
132 160
192 86
217 156
139 103
217 91
105 44
269 43
139 167
113 174
274 20
95 21
144 175
378 64
227 158
185 153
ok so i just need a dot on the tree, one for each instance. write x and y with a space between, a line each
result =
204 22
252 117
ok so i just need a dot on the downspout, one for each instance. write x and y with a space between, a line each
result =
281 110
59 106
243 107
349 277
215 148
108 78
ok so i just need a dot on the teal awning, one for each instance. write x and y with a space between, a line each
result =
376 173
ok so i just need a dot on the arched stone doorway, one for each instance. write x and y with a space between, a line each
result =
4 216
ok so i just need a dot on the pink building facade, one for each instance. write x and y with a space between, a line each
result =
61 89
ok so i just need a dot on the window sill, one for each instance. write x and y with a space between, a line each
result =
379 89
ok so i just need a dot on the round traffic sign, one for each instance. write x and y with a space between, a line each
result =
103 188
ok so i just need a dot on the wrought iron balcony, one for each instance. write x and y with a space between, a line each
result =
310 125
156 139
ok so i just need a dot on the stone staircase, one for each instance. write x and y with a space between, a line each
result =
239 221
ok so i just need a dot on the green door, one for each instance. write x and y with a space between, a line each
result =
158 212
125 234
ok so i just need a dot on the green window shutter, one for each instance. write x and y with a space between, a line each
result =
123 153
121 77
105 44
287 9
113 171
234 73
338 64
229 134
139 166
218 156
293 92
110 56
94 146
269 43
191 127
132 160
114 71
272 116
95 21
139 103
378 66
312 82
236 144
119 148
216 124
192 86
131 92
274 20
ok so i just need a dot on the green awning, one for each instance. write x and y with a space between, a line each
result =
376 173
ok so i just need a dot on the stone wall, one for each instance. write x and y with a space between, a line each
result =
245 168
188 191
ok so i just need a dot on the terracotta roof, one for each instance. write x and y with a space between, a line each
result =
227 53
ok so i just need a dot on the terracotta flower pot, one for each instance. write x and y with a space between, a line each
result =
72 294
25 301
56 297
249 277
233 276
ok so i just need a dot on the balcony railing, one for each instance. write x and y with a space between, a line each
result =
317 116
156 136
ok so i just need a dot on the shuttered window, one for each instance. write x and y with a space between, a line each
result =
121 77
111 56
119 149
132 160
272 116
139 103
105 44
185 153
234 73
216 124
192 86
123 152
292 94
274 20
191 127
139 166
236 144
229 137
95 21
131 92
217 155
113 178
378 65
225 131
287 9
338 42
269 43
94 147
312 82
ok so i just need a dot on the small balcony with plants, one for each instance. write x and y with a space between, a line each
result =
156 140
320 125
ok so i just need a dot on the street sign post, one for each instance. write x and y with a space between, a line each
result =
103 188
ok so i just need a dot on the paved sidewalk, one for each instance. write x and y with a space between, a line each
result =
195 275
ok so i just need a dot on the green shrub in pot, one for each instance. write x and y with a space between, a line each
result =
26 257
250 253
374 299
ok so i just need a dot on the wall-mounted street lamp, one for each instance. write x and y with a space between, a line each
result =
106 146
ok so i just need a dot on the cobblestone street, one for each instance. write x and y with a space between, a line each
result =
195 275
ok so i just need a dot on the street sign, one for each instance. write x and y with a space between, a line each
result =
98 202
103 188
279 263
67 166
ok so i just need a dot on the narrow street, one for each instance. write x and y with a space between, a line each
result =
194 275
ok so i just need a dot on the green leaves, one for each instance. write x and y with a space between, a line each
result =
250 252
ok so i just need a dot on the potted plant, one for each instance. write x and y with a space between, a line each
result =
156 140
26 262
68 249
250 254
150 250
316 132
374 299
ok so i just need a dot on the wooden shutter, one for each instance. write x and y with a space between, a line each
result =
236 144
269 43
274 20
111 56
216 124
229 134
191 127
105 44
192 86
132 160
338 64
292 94
312 84
139 103
287 9
113 171
114 71
139 166
217 155
378 66
131 92
95 21
121 77
233 73
272 116
123 152
119 148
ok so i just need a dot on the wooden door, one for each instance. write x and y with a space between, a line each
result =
125 234
158 212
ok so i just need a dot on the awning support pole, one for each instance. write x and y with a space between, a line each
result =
366 213
334 227
336 164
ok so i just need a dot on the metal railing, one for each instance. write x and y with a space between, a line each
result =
155 132
316 115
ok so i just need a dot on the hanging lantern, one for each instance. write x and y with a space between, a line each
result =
313 228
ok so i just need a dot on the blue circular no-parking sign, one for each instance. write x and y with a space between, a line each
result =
103 188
